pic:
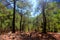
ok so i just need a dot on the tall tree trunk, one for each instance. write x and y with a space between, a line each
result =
13 28
0 25
28 25
21 22
23 25
49 26
44 18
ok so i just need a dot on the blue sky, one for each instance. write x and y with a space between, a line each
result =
34 3
36 7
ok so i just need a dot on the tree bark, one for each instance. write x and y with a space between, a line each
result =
21 23
13 28
44 18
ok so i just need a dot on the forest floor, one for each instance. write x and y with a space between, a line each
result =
30 36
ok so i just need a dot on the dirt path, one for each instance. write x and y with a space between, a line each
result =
30 36
56 35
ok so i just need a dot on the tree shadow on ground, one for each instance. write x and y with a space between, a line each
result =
30 36
37 36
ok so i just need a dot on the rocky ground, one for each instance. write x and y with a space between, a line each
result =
30 36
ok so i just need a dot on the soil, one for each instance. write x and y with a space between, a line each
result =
30 36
